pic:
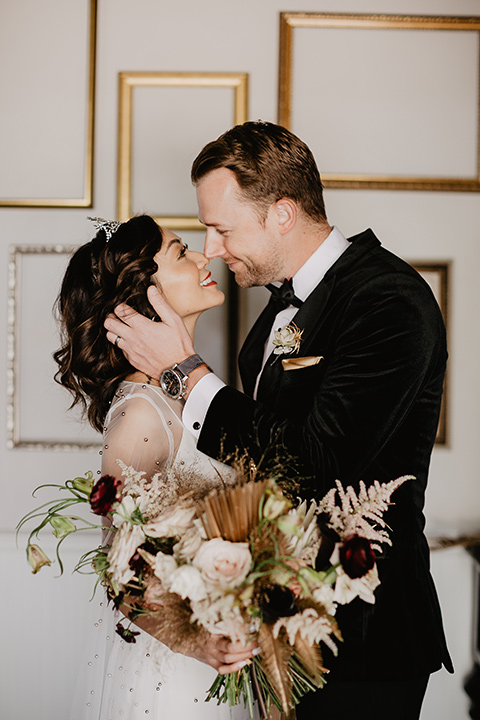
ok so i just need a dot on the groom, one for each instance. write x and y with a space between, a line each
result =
358 398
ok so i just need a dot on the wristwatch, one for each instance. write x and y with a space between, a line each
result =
173 380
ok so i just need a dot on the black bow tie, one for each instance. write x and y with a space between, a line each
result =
284 296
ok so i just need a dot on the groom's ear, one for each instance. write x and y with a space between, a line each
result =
286 215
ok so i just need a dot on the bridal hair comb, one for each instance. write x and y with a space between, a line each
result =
108 226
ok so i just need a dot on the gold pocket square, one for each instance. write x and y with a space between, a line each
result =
297 363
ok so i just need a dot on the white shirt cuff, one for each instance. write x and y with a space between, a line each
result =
198 402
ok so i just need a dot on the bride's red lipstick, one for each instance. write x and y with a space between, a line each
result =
207 282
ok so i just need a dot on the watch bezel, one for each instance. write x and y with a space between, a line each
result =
181 371
182 382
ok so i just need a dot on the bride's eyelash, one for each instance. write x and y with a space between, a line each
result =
183 251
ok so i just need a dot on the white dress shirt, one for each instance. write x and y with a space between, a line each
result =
304 282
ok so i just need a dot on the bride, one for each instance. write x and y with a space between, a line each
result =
141 426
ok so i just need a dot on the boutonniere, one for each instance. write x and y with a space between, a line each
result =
287 340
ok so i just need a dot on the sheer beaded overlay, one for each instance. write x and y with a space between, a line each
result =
145 679
143 428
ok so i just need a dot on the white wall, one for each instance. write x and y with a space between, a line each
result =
43 617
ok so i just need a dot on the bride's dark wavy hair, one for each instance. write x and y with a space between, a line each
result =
99 276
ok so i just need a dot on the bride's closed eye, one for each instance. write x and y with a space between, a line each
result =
182 252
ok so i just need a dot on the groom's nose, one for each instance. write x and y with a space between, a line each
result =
214 244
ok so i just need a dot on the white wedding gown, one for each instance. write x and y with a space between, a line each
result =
146 680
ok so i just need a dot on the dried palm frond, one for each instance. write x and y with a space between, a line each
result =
275 664
232 514
311 660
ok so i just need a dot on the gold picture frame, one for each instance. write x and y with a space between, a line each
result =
87 199
32 369
436 274
128 81
289 21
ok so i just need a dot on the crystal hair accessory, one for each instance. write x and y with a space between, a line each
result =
109 226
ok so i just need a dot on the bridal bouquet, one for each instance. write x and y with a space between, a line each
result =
241 562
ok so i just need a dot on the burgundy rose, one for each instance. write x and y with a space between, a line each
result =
356 556
105 493
277 601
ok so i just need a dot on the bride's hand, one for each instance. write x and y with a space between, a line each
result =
223 654
150 346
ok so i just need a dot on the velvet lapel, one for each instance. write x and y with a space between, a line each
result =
307 319
251 354
309 316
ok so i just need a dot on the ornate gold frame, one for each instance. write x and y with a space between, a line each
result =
441 270
127 82
291 20
87 199
14 439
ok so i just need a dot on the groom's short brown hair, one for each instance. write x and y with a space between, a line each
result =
269 163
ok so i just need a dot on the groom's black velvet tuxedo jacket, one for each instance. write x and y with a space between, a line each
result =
367 411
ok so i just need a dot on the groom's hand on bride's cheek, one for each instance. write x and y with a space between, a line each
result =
149 346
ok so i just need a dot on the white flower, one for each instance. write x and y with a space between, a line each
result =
287 339
123 512
324 596
309 625
188 545
347 588
307 544
223 563
187 582
165 566
222 616
171 523
124 545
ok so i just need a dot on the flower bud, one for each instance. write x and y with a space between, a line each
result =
84 484
290 525
274 506
37 558
62 525
356 556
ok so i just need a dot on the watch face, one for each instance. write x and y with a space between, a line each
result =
171 383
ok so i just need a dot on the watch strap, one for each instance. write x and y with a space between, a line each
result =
190 364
